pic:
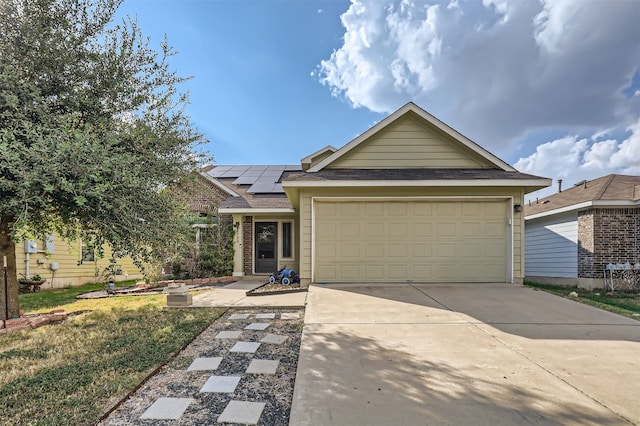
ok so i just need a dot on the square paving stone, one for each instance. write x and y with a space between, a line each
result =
221 384
258 326
243 412
199 364
289 315
167 408
274 339
227 334
248 347
262 366
239 316
265 316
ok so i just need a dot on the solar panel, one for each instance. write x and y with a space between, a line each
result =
245 180
262 188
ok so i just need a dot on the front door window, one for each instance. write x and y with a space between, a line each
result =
266 247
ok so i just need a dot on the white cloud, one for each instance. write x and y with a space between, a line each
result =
496 70
574 159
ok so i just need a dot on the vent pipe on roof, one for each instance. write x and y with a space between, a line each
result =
559 185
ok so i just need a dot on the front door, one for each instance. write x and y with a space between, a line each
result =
266 247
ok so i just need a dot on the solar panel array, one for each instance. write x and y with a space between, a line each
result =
263 179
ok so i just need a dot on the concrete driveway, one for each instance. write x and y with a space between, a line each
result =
463 354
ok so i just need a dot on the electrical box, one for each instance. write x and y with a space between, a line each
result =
50 244
31 247
54 266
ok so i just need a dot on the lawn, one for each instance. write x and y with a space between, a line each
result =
619 302
72 372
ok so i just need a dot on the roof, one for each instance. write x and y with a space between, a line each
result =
405 174
261 179
255 187
406 109
608 190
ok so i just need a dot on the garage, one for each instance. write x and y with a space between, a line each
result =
419 240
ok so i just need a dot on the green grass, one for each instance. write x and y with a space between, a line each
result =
72 372
619 302
56 298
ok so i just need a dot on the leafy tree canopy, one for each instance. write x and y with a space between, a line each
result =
92 127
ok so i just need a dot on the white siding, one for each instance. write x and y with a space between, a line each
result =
551 247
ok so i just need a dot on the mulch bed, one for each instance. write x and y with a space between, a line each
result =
174 380
275 288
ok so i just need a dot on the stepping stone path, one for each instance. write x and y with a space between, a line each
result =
229 345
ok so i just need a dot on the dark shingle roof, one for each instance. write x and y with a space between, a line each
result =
610 187
248 200
406 174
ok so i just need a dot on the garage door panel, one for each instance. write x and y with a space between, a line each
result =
350 251
374 272
398 272
374 229
397 230
446 229
422 229
428 241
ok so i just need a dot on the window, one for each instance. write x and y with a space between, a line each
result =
287 240
88 254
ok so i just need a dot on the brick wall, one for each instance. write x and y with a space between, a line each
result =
247 244
615 237
586 267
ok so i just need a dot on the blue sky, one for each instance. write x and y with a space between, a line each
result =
552 87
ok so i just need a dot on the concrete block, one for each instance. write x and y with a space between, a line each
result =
200 364
179 299
258 326
262 366
221 384
242 412
246 347
167 408
226 334
273 339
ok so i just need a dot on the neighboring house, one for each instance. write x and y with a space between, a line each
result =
572 235
64 263
409 200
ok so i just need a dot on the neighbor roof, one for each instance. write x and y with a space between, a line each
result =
608 190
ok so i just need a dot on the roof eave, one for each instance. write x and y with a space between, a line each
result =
251 210
585 205
528 183
219 184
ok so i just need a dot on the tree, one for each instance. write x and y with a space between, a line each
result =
92 131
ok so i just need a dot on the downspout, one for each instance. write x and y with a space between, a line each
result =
27 266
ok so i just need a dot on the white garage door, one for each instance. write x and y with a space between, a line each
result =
420 241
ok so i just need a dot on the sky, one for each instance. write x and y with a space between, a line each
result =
552 87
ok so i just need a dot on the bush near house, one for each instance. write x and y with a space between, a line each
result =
209 255
624 303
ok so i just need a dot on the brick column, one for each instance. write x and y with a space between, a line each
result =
585 244
247 231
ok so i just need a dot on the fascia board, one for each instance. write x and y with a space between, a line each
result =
310 157
254 211
220 185
427 117
585 205
414 183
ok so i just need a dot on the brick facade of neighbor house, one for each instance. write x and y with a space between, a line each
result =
247 239
586 248
607 235
205 197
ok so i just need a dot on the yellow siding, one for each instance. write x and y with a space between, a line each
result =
306 195
70 273
408 143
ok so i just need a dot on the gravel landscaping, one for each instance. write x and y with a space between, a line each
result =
175 381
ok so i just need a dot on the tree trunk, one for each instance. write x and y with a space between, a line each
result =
9 306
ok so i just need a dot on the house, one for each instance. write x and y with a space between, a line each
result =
572 235
409 200
64 263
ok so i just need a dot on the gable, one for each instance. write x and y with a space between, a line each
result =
410 142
